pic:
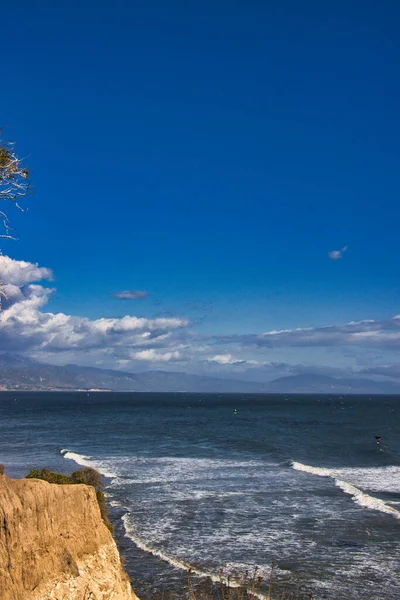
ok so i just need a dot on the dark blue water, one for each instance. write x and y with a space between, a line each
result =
229 481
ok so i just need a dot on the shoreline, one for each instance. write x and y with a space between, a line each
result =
199 579
224 585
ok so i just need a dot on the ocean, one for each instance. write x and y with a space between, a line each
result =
231 482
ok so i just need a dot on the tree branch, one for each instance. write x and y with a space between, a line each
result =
14 183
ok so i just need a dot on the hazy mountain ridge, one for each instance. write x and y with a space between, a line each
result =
18 373
21 373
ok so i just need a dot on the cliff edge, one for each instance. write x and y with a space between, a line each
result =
55 546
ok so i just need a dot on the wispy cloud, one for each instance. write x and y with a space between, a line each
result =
384 334
382 370
131 294
337 254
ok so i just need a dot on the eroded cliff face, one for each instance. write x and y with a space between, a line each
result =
55 546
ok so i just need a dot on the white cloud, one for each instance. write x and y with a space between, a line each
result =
25 326
152 355
225 359
19 272
337 254
229 359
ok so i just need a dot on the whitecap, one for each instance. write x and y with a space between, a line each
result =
375 479
89 461
366 500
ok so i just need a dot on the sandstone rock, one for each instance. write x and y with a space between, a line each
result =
55 546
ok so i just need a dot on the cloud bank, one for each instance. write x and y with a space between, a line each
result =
383 334
25 325
137 343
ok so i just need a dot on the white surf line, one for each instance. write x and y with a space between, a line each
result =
87 461
365 499
320 471
129 533
357 495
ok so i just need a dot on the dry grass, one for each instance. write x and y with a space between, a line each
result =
245 586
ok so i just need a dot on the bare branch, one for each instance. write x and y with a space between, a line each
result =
14 183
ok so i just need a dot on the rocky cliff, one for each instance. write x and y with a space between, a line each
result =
55 546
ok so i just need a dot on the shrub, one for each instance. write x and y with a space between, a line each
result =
49 476
89 476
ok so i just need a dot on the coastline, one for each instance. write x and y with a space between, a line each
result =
199 580
190 473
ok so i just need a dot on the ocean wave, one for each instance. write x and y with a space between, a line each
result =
376 479
89 461
115 503
178 564
321 471
366 500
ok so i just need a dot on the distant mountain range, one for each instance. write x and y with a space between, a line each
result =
310 382
21 373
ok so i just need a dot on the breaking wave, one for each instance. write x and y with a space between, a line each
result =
374 479
89 461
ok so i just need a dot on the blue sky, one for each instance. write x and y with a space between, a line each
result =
211 154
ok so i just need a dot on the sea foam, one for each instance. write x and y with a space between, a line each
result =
376 479
178 564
